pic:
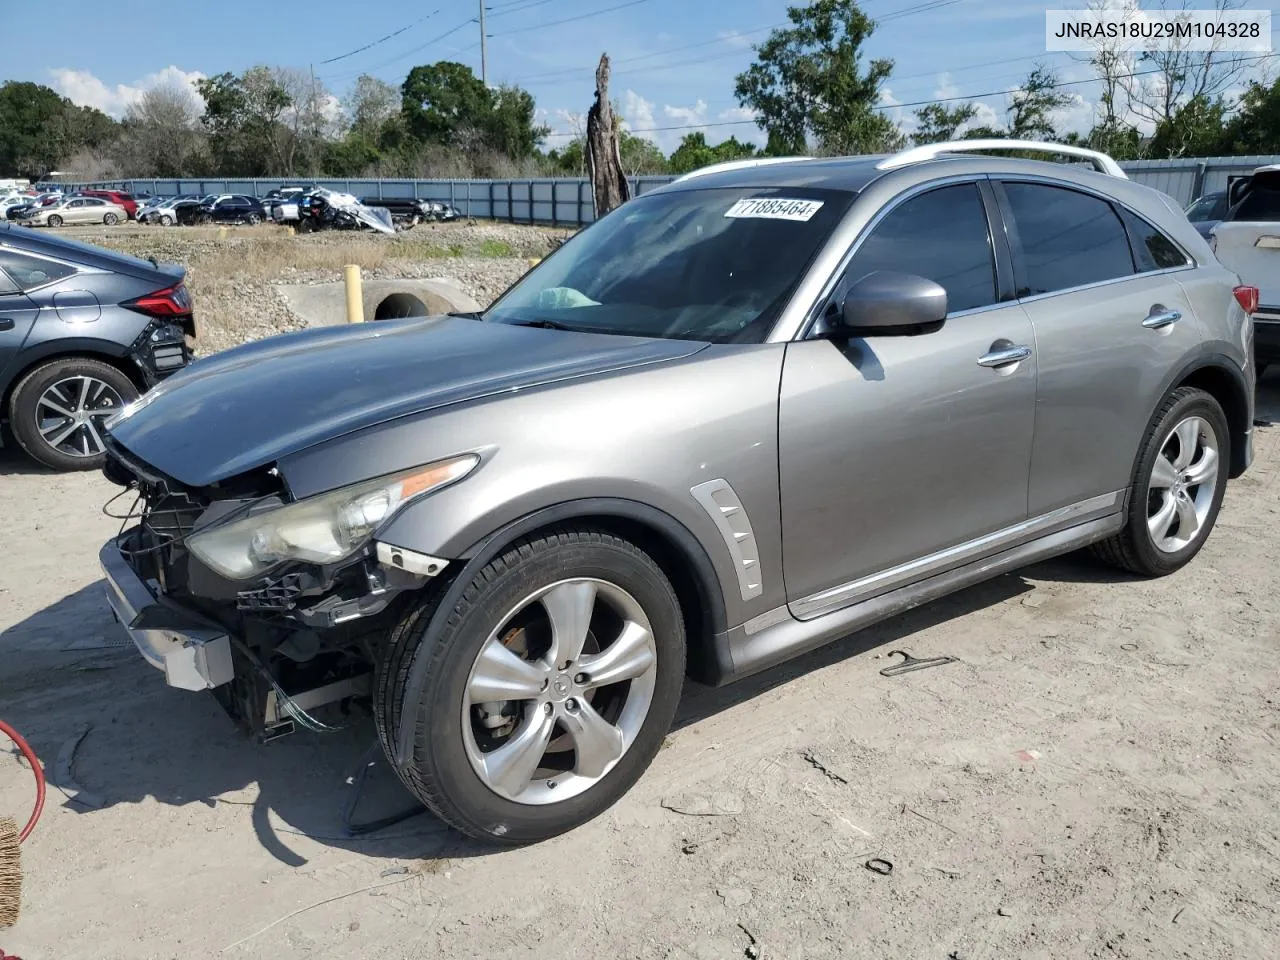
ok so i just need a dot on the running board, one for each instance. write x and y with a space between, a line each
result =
777 643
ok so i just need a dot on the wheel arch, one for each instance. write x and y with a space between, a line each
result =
673 547
104 351
1220 378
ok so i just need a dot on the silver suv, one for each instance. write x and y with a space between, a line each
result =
739 417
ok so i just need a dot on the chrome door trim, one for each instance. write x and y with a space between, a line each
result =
1157 320
1000 358
856 591
725 509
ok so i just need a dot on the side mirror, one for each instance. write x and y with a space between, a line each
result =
887 302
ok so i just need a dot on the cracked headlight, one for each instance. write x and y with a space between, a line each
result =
321 529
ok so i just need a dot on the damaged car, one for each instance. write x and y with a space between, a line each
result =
83 332
739 417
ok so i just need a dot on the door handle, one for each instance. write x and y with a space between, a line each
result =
1157 320
6 323
1004 356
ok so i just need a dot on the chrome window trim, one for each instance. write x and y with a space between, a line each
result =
841 248
1190 261
76 269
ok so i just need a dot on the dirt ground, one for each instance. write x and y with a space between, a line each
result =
1095 777
233 274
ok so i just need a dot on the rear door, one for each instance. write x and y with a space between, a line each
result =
1111 321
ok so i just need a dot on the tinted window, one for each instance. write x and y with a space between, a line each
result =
1152 248
941 235
1260 203
7 286
31 272
1067 238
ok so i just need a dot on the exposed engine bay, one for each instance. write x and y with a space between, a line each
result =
302 637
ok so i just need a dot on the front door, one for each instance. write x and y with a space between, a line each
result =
902 455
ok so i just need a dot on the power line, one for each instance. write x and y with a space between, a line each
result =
502 9
581 16
408 53
919 103
389 36
574 71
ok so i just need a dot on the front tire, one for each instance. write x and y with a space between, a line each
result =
548 689
166 221
55 220
57 411
1177 488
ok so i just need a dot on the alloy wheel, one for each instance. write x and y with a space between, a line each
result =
559 691
1184 479
70 413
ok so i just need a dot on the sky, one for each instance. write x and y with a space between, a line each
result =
674 61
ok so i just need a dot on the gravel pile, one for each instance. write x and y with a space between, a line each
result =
233 280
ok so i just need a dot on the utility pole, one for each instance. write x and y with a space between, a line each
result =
484 55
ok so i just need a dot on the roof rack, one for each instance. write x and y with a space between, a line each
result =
931 151
736 165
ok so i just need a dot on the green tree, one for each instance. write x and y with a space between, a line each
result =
510 126
640 155
445 103
809 82
694 152
39 129
1255 129
1031 105
1195 130
242 115
937 122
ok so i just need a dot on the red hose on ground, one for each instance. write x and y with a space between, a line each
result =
36 770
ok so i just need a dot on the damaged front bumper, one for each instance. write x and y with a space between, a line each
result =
192 657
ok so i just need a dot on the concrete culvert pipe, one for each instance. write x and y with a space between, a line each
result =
400 305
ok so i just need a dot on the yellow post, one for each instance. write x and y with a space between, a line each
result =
355 295
222 233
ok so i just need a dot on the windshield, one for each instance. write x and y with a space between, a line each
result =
1204 208
713 264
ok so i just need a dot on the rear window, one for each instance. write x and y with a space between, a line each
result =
1260 203
31 272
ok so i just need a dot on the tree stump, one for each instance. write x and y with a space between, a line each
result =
609 187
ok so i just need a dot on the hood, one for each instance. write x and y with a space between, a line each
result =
254 404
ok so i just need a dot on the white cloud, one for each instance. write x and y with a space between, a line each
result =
83 88
733 38
637 113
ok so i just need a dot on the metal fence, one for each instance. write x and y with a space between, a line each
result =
567 201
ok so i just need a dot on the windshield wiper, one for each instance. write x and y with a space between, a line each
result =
467 315
544 324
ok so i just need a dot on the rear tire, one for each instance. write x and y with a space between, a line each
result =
110 219
166 221
1168 517
30 410
448 770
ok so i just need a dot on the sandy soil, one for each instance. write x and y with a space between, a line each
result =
1095 777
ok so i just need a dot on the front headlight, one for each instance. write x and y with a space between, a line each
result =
322 529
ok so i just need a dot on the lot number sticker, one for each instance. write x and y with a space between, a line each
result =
775 208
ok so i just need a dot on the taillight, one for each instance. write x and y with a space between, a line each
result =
1248 298
172 301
